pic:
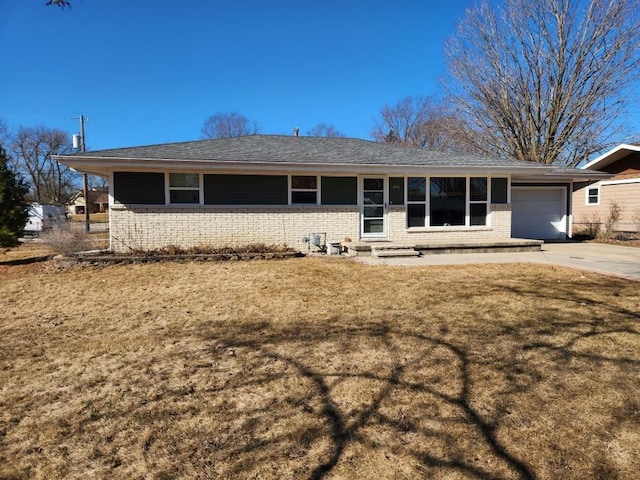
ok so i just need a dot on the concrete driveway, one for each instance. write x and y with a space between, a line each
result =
602 258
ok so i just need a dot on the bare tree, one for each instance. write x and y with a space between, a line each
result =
59 3
4 133
420 122
33 147
98 183
545 80
228 125
325 130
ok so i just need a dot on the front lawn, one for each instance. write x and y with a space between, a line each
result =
318 368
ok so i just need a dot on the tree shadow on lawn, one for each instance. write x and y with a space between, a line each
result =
388 401
533 384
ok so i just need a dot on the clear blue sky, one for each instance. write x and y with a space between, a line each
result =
150 72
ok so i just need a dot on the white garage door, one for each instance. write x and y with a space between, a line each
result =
538 212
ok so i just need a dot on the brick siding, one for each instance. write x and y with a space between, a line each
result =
150 227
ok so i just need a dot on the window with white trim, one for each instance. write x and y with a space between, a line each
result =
478 201
450 201
304 189
447 201
416 201
184 188
592 196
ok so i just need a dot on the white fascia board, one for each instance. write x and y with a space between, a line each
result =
105 165
563 177
621 182
605 159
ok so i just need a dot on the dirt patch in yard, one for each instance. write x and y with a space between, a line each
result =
317 368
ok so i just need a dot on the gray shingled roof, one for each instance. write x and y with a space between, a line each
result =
285 149
303 150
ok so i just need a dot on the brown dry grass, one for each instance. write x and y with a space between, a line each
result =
55 242
318 368
27 249
627 242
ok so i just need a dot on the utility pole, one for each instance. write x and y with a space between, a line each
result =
85 187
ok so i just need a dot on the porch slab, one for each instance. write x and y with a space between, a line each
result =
387 248
394 252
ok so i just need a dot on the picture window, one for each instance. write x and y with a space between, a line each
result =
451 201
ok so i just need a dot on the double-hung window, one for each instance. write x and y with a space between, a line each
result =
593 196
416 201
184 188
477 201
304 189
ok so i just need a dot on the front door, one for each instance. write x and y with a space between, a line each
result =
374 207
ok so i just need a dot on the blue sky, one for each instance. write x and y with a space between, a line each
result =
150 72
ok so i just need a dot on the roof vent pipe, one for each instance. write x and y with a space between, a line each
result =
296 130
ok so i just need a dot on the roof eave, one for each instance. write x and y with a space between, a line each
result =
564 177
104 165
611 156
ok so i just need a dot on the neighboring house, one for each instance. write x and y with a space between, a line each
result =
281 189
99 200
592 201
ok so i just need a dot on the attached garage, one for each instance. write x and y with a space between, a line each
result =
539 212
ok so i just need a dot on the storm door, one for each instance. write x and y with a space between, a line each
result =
374 207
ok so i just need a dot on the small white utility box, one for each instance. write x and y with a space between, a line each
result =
333 248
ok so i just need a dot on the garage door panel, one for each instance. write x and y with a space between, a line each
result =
538 213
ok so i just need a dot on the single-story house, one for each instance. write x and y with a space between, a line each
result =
591 201
278 189
98 199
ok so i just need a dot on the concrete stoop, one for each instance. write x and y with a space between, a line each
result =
393 251
390 249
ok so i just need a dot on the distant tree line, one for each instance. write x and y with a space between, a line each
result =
234 124
30 151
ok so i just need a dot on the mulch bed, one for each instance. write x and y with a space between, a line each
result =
27 260
111 259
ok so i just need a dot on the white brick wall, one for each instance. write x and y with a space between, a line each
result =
156 227
499 228
141 227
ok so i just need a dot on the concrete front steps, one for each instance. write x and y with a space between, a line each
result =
391 249
386 251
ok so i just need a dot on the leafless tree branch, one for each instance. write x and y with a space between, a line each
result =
421 122
33 148
228 125
59 3
545 80
325 130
